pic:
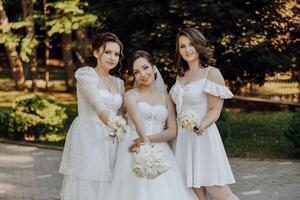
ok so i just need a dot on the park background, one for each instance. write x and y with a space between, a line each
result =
256 45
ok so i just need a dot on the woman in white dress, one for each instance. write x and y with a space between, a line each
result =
200 153
151 119
89 153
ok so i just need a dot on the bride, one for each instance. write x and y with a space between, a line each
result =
151 119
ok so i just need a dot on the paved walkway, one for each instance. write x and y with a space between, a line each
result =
31 173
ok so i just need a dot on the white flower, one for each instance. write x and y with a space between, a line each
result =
188 120
138 170
149 162
118 127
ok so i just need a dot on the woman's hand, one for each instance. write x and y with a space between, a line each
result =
199 129
137 142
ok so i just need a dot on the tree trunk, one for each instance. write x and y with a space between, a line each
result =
27 6
15 63
68 61
84 48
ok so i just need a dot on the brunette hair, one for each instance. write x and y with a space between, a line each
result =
201 45
102 38
136 55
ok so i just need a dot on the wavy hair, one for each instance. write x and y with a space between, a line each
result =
201 45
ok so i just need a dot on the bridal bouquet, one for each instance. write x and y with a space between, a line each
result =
188 120
118 127
149 162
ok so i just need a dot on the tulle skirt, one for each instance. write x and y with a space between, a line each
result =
126 186
75 188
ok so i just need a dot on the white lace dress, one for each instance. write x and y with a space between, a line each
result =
202 159
89 153
126 186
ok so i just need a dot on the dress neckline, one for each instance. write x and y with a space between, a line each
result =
113 94
156 105
190 83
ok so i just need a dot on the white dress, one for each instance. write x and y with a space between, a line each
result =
202 159
168 186
89 153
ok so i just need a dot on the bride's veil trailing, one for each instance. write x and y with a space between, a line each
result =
159 81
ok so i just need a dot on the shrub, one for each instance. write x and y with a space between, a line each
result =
223 125
293 131
35 116
4 121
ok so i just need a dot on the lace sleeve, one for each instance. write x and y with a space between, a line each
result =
87 85
121 86
121 111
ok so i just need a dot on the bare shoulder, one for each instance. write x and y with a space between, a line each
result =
215 76
130 94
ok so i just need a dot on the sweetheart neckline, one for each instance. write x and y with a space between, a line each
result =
157 105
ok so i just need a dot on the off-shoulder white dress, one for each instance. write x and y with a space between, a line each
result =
89 154
201 159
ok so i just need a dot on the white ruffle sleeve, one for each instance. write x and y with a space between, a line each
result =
87 85
217 90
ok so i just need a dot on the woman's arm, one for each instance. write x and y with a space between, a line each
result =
214 103
171 127
130 100
169 133
87 82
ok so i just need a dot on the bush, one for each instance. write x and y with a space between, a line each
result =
4 121
35 116
223 125
293 131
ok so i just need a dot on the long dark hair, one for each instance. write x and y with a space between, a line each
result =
102 38
201 45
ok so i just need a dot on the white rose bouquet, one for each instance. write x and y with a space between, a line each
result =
188 120
149 162
118 127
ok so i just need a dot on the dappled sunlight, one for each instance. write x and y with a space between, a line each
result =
21 159
20 148
8 97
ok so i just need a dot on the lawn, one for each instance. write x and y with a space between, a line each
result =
260 135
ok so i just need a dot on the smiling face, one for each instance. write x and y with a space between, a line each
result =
108 55
143 72
187 50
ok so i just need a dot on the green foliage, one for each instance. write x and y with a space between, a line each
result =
260 135
35 116
223 125
240 32
293 132
67 16
4 122
27 45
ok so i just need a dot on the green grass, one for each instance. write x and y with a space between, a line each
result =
260 135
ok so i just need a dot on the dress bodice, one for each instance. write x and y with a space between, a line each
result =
113 102
193 96
92 98
153 116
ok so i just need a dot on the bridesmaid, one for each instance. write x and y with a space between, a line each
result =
200 87
89 153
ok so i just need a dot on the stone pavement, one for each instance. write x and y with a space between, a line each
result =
32 173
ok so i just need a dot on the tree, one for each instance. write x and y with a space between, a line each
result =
64 17
237 30
10 42
30 42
